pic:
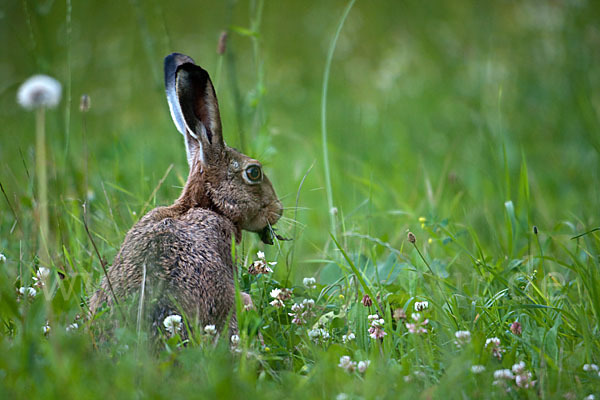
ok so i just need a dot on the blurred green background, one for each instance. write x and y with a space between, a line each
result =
433 108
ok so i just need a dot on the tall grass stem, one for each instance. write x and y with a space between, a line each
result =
42 181
324 115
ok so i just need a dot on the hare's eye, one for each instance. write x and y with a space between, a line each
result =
254 174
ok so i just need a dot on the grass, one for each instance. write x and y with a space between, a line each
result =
475 129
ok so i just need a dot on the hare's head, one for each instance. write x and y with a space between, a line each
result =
221 178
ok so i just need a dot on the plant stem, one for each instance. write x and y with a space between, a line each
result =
324 115
42 200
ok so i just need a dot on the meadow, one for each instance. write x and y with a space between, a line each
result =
439 164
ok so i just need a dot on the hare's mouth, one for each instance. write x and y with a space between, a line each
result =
267 234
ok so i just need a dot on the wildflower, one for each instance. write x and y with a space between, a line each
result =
261 266
494 344
210 330
502 375
518 368
46 328
349 337
421 306
422 219
366 300
341 396
235 340
590 397
590 367
172 324
72 327
334 211
363 365
39 91
308 303
29 291
41 276
298 314
399 313
347 364
516 328
411 238
477 369
280 295
310 283
2 258
318 335
418 326
524 380
376 330
462 338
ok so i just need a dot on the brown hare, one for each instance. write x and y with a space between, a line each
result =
179 257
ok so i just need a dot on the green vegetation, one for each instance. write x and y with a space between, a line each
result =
475 127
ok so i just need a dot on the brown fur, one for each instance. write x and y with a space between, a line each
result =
185 248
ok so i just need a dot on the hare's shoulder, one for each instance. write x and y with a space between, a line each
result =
196 224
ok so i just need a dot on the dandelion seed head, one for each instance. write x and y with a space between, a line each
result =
39 91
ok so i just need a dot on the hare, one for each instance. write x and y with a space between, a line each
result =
179 257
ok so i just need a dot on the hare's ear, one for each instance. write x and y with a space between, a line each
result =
200 109
172 62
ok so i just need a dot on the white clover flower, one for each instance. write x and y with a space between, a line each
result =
314 333
318 335
523 380
518 368
46 328
277 303
172 323
341 396
29 291
503 374
2 258
308 303
347 364
462 338
210 330
260 255
493 341
363 365
235 340
477 369
39 91
373 316
494 344
590 367
349 337
590 397
309 283
41 276
275 293
421 305
72 327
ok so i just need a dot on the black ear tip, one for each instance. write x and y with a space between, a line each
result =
172 62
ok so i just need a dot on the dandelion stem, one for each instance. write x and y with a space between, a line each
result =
324 115
42 200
